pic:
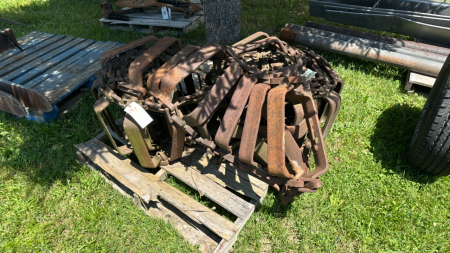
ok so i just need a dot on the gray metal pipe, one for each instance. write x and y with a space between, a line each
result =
397 5
382 39
309 33
408 62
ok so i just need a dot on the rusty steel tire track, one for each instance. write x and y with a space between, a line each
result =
247 88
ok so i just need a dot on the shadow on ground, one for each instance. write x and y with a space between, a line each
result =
45 153
391 139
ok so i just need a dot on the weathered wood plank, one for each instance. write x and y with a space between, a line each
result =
192 231
58 58
42 59
18 60
420 79
161 174
111 166
144 21
224 246
156 15
26 42
99 153
74 75
30 36
225 175
151 21
56 70
210 189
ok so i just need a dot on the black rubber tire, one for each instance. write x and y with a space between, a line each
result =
430 146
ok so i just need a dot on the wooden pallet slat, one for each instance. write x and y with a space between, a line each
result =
418 79
224 174
22 58
151 21
193 232
151 186
210 189
111 166
56 70
66 53
198 224
26 42
55 64
224 245
40 61
78 72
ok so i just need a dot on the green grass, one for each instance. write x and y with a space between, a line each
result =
371 200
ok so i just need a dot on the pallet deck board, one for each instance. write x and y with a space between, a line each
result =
210 189
38 70
43 59
74 74
57 70
150 21
26 42
113 167
150 185
414 78
194 232
27 55
168 203
224 174
53 65
225 246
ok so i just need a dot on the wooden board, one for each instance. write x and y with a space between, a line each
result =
192 231
418 79
196 223
53 65
224 174
150 21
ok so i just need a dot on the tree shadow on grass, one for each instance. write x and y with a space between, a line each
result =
44 153
391 139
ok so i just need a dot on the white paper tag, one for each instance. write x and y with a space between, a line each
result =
309 74
139 114
166 12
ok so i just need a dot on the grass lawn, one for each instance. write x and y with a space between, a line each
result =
371 200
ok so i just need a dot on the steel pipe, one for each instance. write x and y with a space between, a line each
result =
383 39
309 33
361 51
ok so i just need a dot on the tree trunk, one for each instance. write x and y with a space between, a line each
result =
223 20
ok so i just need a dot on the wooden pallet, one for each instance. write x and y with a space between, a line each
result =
198 224
52 65
150 21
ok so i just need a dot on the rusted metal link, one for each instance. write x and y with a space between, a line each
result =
141 142
333 101
242 48
178 137
251 38
153 82
184 69
137 67
256 104
234 111
124 48
218 92
252 123
276 131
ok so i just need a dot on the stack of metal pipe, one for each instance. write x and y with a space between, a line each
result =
413 56
424 20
